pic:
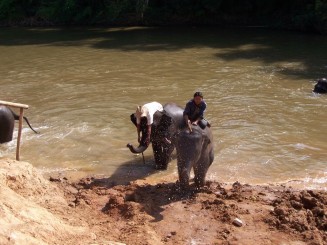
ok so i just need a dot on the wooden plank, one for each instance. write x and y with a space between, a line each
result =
12 104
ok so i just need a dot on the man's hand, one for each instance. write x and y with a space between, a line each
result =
189 124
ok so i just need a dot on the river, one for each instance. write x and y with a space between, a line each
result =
82 84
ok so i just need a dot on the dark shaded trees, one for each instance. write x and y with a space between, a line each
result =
306 15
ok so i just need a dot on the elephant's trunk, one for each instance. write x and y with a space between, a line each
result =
137 150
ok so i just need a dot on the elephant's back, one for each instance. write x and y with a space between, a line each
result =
6 114
174 111
7 122
321 86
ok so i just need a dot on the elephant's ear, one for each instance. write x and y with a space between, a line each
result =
164 123
206 138
157 117
207 141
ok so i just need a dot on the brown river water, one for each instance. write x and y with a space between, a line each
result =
81 86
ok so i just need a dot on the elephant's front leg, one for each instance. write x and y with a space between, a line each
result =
158 153
167 151
200 174
162 153
202 166
183 173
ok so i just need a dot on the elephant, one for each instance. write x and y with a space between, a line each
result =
321 86
7 122
165 126
194 146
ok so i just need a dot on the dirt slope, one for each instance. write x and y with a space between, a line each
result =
34 210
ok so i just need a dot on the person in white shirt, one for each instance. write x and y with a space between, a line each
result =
147 111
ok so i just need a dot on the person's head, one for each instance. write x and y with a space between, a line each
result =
141 111
198 98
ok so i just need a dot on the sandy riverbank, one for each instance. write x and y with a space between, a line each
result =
39 210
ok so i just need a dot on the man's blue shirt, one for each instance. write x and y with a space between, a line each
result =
194 111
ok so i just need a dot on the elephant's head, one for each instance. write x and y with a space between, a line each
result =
167 123
194 150
162 131
165 126
321 86
159 129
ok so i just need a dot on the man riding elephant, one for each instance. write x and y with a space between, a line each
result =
194 111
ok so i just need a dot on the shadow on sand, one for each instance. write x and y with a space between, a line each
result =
123 192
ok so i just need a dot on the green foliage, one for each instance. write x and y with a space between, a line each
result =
308 15
58 11
114 9
321 15
6 9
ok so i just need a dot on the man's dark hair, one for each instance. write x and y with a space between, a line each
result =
198 94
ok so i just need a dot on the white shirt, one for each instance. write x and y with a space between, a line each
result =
151 108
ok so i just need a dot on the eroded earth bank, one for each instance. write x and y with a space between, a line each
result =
38 209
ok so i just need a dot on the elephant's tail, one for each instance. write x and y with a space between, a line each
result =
30 126
25 118
137 150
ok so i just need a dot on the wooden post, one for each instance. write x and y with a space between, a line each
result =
21 116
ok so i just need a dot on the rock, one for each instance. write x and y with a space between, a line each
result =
93 236
237 185
309 202
71 189
280 211
277 201
296 205
53 179
72 205
108 243
318 212
295 197
130 196
237 222
218 202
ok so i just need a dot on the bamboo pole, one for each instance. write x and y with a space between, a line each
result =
21 116
12 104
